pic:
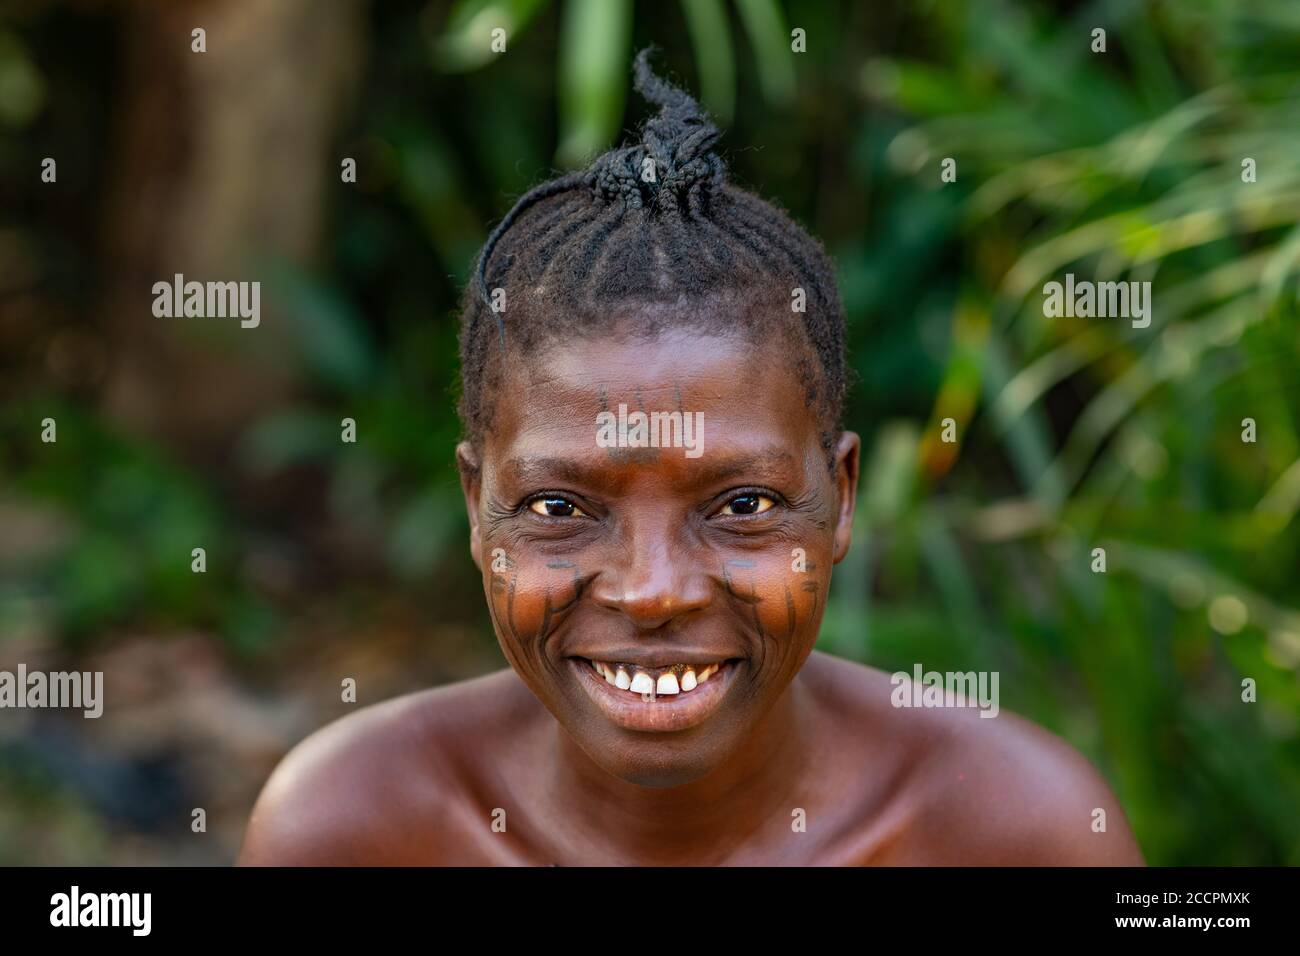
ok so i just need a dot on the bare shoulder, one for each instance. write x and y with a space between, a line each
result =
978 790
387 785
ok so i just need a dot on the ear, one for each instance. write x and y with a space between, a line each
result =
471 474
846 488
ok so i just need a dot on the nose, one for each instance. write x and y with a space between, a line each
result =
652 579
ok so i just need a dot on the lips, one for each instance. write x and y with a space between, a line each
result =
666 698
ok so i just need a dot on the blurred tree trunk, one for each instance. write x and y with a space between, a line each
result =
223 160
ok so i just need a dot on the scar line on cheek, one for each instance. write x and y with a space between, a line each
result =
752 599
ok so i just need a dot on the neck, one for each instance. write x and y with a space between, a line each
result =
709 817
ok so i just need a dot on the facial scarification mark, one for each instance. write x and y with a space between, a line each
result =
751 598
510 608
579 585
546 619
640 456
549 609
789 610
813 588
497 587
620 455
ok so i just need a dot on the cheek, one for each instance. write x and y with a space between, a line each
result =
782 594
527 597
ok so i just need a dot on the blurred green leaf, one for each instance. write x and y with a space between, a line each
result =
595 39
22 89
331 335
765 25
706 22
468 39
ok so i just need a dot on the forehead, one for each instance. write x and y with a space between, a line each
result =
743 391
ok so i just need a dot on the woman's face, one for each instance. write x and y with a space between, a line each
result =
698 568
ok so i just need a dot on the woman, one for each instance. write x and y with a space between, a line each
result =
658 486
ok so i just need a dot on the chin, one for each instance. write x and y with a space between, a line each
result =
656 765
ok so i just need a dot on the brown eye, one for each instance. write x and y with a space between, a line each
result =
748 504
554 506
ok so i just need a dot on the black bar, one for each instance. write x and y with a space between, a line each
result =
653 907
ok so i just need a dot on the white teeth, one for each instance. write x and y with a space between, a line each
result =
642 683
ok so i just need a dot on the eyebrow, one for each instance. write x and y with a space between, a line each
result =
771 462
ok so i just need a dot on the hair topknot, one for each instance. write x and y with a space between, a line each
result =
678 142
674 167
654 228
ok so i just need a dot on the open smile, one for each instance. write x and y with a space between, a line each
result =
656 699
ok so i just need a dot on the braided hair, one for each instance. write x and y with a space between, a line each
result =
652 229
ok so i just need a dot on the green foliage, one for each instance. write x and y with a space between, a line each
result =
1078 434
114 523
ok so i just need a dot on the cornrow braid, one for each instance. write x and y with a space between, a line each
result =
654 223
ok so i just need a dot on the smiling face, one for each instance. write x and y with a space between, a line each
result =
657 600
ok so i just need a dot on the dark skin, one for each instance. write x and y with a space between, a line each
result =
609 552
